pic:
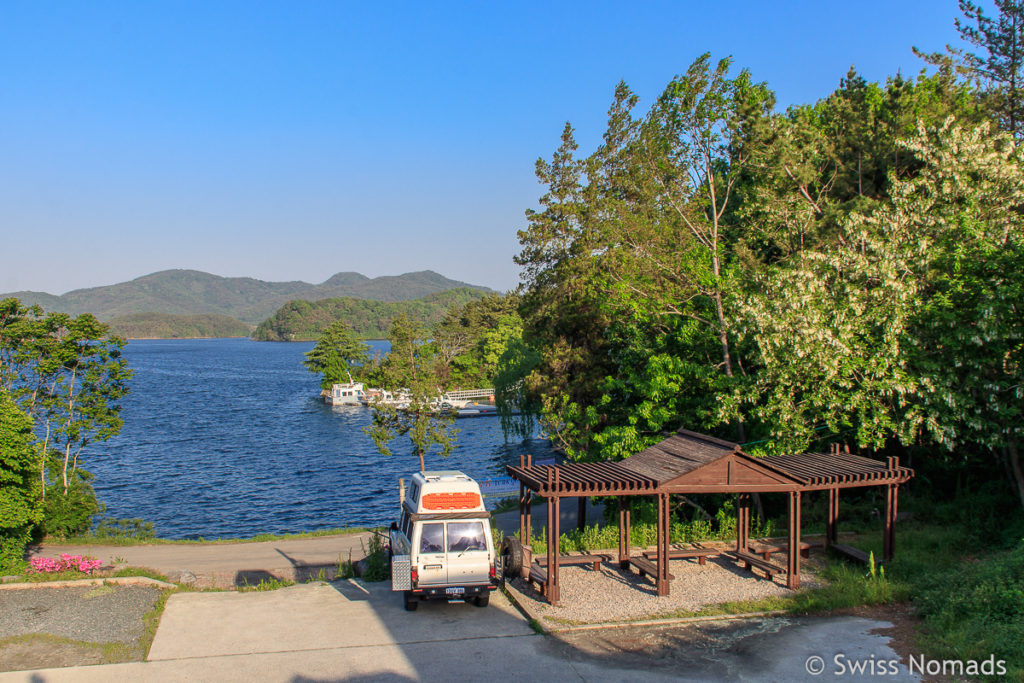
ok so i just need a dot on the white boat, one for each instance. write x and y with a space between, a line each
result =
345 394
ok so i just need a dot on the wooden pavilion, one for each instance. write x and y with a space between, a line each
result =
690 463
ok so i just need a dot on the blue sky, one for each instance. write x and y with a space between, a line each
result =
290 141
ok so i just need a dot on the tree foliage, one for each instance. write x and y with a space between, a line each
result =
337 354
20 487
69 377
408 370
998 67
846 269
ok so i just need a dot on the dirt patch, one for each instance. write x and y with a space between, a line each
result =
41 651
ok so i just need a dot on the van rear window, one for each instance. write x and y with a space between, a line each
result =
464 536
432 538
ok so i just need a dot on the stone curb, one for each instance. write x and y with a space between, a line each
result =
120 580
668 622
549 628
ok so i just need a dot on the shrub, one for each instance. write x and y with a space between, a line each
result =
377 568
71 513
112 529
20 484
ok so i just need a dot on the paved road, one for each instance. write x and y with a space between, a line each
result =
350 631
225 565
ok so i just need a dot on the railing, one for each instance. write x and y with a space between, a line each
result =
462 395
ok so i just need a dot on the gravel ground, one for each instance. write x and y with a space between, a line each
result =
613 594
96 614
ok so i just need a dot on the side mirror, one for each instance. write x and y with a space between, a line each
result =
394 526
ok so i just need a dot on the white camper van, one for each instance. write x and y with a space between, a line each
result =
442 546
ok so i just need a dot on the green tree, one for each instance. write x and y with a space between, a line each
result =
910 326
999 67
69 376
20 488
409 372
336 355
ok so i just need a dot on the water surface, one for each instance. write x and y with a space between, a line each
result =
228 438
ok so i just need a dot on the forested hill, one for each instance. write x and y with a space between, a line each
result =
169 326
191 292
304 320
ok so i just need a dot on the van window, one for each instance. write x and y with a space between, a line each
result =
464 536
405 525
432 538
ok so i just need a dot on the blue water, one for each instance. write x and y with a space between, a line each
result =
228 438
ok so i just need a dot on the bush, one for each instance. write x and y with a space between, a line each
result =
70 514
109 528
20 485
376 563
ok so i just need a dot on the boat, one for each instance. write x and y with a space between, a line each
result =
345 394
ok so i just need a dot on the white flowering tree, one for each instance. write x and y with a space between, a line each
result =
909 325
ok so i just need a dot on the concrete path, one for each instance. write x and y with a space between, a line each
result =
351 631
224 565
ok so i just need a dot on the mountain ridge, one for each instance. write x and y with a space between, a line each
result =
184 292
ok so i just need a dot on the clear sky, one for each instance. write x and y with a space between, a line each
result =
293 140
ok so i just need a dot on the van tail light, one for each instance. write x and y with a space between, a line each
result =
414 575
492 574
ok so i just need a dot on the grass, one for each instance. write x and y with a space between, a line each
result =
266 585
91 539
109 653
74 575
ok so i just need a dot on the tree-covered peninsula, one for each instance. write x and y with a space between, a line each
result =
302 320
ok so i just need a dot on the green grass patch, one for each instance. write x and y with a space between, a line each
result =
108 653
151 620
272 584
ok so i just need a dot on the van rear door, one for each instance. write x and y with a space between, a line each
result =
468 560
432 560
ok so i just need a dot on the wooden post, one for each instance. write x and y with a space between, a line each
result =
527 529
581 512
663 532
892 492
522 506
624 531
832 518
554 524
742 521
793 563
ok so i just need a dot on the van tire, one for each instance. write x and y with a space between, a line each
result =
482 600
511 558
411 603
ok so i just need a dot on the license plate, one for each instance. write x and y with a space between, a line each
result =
455 591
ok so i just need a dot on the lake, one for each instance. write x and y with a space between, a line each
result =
229 438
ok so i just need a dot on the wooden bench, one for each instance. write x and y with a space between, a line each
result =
855 554
750 560
684 554
645 566
570 560
539 576
766 551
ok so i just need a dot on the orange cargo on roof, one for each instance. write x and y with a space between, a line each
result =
451 501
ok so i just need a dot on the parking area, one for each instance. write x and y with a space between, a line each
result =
348 631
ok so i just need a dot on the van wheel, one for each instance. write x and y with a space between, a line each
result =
411 603
482 600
